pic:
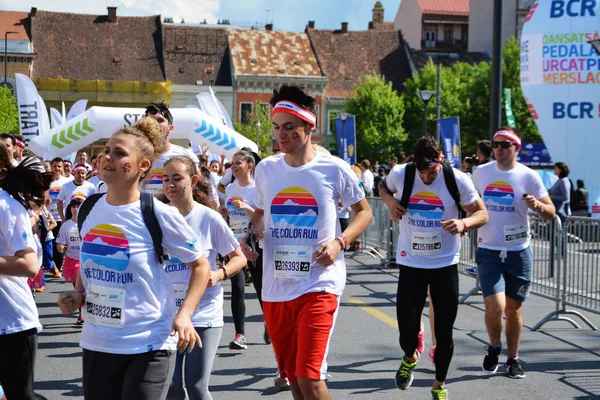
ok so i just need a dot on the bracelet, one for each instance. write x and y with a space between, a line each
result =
465 224
340 243
345 240
224 272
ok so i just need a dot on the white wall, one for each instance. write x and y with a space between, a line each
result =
481 24
409 20
182 95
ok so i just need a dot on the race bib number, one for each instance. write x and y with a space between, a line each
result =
180 290
514 234
105 306
239 227
292 262
426 243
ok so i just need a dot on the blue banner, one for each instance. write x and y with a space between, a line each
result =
535 155
450 138
346 139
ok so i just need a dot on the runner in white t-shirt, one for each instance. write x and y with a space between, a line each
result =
180 184
428 253
132 326
504 261
77 187
19 322
304 269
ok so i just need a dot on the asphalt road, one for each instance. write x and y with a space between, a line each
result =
561 362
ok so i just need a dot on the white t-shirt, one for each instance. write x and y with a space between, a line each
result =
502 192
153 182
238 218
95 180
422 242
46 221
300 214
217 238
18 312
69 236
70 189
227 177
367 180
53 194
130 303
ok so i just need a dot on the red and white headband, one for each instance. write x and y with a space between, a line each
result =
20 143
289 107
509 135
80 168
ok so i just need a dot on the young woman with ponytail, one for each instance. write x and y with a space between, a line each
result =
132 326
20 187
189 193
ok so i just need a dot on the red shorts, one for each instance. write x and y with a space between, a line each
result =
70 269
300 331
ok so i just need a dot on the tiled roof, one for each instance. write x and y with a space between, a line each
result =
347 57
81 46
196 53
14 22
255 52
445 7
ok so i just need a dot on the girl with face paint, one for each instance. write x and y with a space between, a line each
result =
187 191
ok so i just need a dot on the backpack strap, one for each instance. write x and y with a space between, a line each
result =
147 204
452 187
409 182
85 208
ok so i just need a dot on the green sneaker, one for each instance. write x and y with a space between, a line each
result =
440 394
404 375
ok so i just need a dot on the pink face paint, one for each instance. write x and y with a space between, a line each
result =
295 135
126 167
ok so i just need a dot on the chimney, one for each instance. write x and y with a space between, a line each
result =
33 11
269 27
112 14
344 27
311 24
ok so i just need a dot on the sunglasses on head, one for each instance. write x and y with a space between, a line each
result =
504 145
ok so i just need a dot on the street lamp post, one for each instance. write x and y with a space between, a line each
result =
425 96
5 83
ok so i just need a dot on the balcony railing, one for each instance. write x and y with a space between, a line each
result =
443 45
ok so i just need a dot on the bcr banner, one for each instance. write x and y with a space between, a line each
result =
346 139
450 137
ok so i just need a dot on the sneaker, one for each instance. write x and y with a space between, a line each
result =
421 344
431 355
514 368
41 289
404 375
79 321
266 336
55 273
440 394
490 361
282 383
471 271
238 343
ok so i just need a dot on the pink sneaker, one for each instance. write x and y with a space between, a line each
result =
431 355
421 345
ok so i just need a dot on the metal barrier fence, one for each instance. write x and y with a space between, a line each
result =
566 259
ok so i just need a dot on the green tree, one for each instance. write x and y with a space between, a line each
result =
253 132
9 117
379 112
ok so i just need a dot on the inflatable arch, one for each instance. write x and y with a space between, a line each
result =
101 122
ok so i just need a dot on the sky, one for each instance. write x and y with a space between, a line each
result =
287 15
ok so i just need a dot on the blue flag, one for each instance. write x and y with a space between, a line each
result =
346 139
450 138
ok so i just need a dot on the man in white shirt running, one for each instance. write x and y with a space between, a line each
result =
367 179
304 268
428 252
504 261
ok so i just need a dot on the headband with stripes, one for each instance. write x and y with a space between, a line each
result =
289 107
511 136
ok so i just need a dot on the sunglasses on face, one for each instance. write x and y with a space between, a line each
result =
504 145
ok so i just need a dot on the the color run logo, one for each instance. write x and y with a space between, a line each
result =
104 250
499 197
426 210
293 210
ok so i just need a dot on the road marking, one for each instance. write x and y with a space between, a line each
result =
376 313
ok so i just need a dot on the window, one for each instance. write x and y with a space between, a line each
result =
465 34
430 35
449 33
246 113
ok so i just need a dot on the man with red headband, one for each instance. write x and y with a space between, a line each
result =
77 187
504 261
304 271
19 148
428 251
